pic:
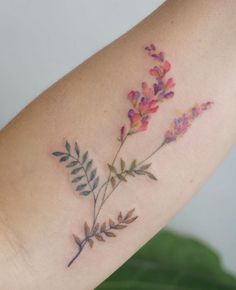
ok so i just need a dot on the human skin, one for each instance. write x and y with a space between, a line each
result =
39 209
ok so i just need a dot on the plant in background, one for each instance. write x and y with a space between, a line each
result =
171 261
144 104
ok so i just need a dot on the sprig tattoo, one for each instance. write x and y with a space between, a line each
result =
83 173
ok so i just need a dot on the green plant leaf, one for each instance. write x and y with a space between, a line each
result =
96 181
89 165
139 172
72 164
77 239
85 193
64 158
113 181
150 175
171 261
110 234
81 187
78 178
67 147
145 166
76 170
93 174
58 153
85 156
133 165
122 164
77 151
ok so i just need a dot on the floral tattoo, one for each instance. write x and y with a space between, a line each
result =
144 103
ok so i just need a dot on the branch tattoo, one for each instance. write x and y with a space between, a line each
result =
85 177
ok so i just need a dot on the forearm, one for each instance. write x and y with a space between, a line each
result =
41 208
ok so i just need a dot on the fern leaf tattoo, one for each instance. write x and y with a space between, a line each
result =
84 175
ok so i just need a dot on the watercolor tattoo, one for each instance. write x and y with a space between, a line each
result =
84 175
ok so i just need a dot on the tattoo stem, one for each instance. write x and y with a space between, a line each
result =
107 182
112 163
78 253
151 154
138 164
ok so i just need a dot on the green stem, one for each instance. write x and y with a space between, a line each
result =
151 154
137 165
83 243
105 184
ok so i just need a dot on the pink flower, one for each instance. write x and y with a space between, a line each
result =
181 124
159 56
144 103
166 67
169 84
159 71
134 96
163 89
138 122
147 106
146 90
140 116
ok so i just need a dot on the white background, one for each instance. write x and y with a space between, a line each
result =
42 40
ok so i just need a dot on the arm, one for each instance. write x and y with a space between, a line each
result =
46 219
